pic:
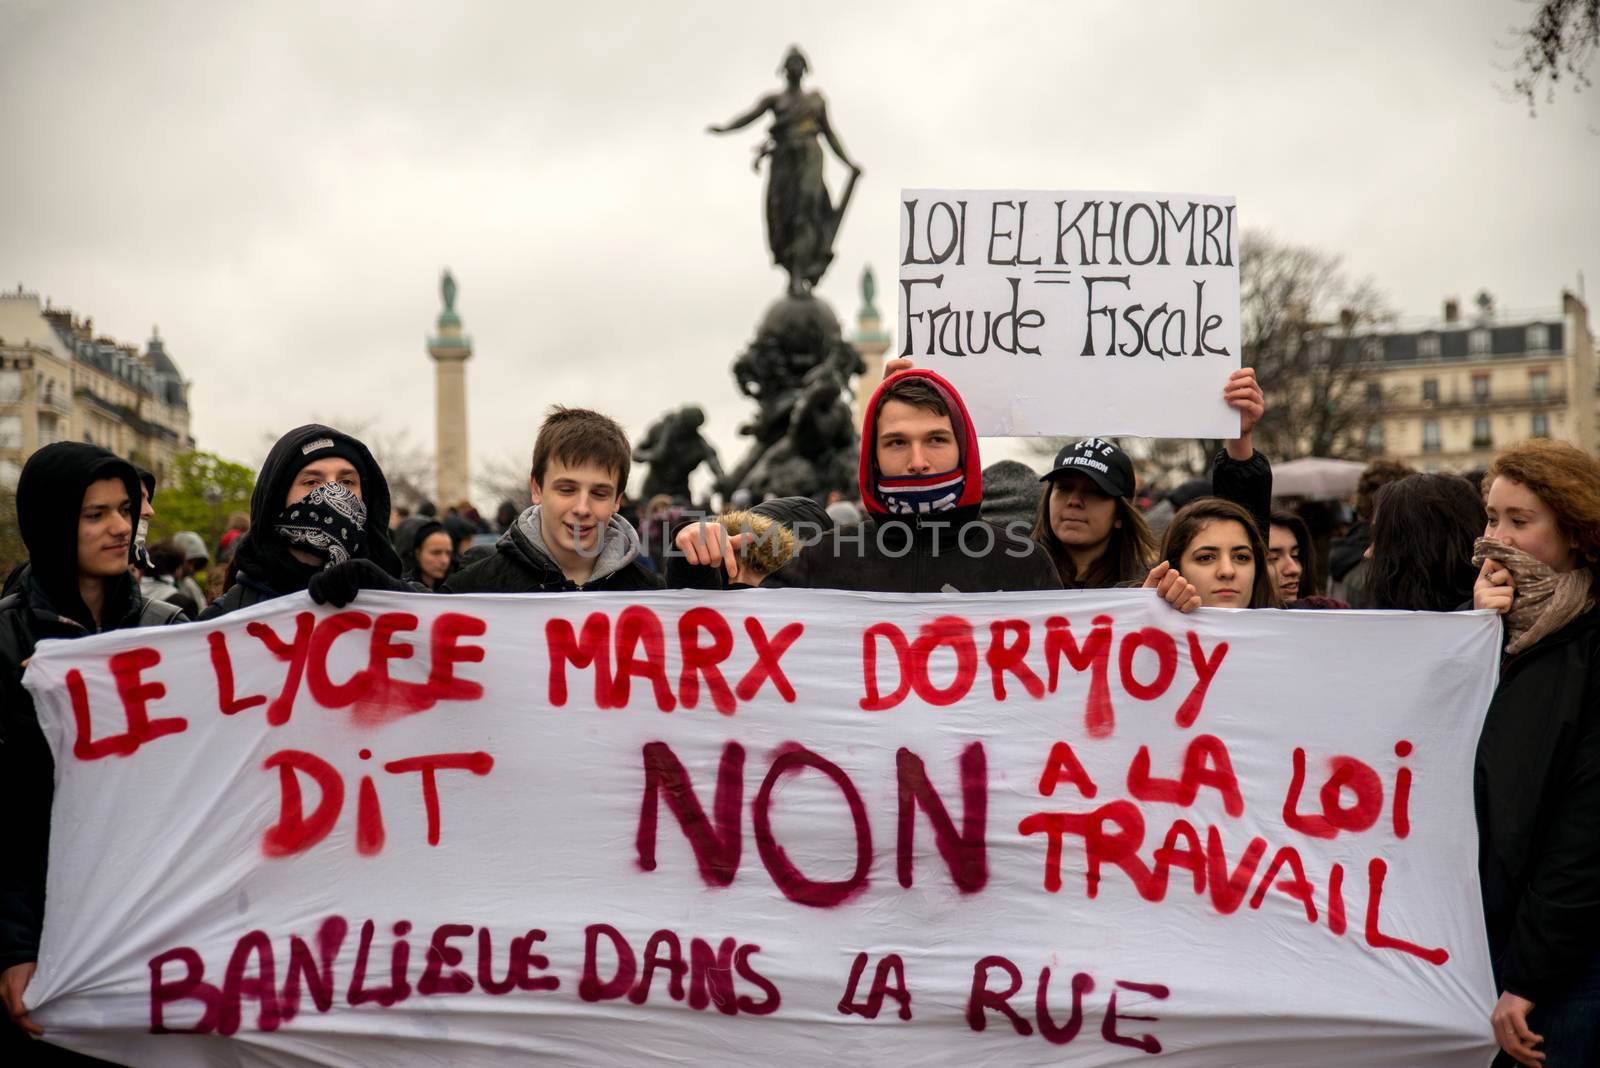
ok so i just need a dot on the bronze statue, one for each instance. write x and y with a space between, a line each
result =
801 218
673 447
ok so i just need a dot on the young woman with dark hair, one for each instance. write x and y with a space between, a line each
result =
432 557
1291 557
1420 559
1216 546
1537 780
1087 521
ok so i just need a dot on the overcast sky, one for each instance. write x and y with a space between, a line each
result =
279 185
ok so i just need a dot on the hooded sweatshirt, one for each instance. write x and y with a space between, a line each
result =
262 566
946 548
47 604
522 563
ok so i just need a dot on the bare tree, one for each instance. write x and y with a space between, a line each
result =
1307 330
504 479
1562 38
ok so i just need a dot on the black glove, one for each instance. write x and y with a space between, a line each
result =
339 584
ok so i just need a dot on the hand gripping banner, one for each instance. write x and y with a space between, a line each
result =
771 826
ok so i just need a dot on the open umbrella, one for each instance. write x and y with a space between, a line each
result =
1316 477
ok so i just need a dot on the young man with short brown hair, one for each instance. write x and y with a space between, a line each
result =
571 537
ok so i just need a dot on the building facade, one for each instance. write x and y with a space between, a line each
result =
60 382
1450 394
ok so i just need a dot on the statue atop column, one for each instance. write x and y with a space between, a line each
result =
799 365
801 218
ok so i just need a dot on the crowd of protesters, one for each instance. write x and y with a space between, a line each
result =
1522 539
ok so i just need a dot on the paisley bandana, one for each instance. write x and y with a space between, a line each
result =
921 494
329 521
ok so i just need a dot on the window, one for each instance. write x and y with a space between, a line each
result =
1480 433
1538 338
1430 391
1480 388
10 431
1372 348
1541 425
1374 395
10 387
1478 342
1375 438
1430 435
1428 346
49 429
1538 386
10 473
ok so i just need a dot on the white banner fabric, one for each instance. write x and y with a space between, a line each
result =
1075 313
773 826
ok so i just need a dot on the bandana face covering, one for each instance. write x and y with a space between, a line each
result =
329 522
921 494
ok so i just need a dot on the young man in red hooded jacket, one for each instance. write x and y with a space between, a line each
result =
922 483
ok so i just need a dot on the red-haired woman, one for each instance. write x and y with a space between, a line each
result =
1537 779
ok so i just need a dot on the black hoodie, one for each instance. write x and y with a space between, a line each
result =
262 566
47 604
415 537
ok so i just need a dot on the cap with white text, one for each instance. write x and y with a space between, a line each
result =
1101 461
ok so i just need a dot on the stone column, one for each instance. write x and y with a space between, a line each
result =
872 342
450 351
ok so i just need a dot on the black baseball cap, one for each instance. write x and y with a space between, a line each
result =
1101 461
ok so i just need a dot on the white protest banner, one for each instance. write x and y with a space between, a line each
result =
776 826
1075 313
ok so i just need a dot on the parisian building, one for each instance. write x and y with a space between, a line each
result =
59 381
1452 392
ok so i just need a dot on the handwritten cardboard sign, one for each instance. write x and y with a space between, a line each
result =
773 826
1075 313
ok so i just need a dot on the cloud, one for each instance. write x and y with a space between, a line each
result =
279 186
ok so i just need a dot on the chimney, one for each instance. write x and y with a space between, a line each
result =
1452 310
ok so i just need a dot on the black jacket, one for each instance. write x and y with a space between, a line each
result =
949 550
1537 787
46 605
261 562
1247 483
521 566
803 517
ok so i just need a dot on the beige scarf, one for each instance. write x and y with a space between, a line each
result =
1545 600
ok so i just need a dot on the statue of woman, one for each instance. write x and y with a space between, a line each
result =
801 220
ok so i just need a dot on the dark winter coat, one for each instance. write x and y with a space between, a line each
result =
262 566
803 517
922 554
1537 786
521 565
1247 483
952 549
46 604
